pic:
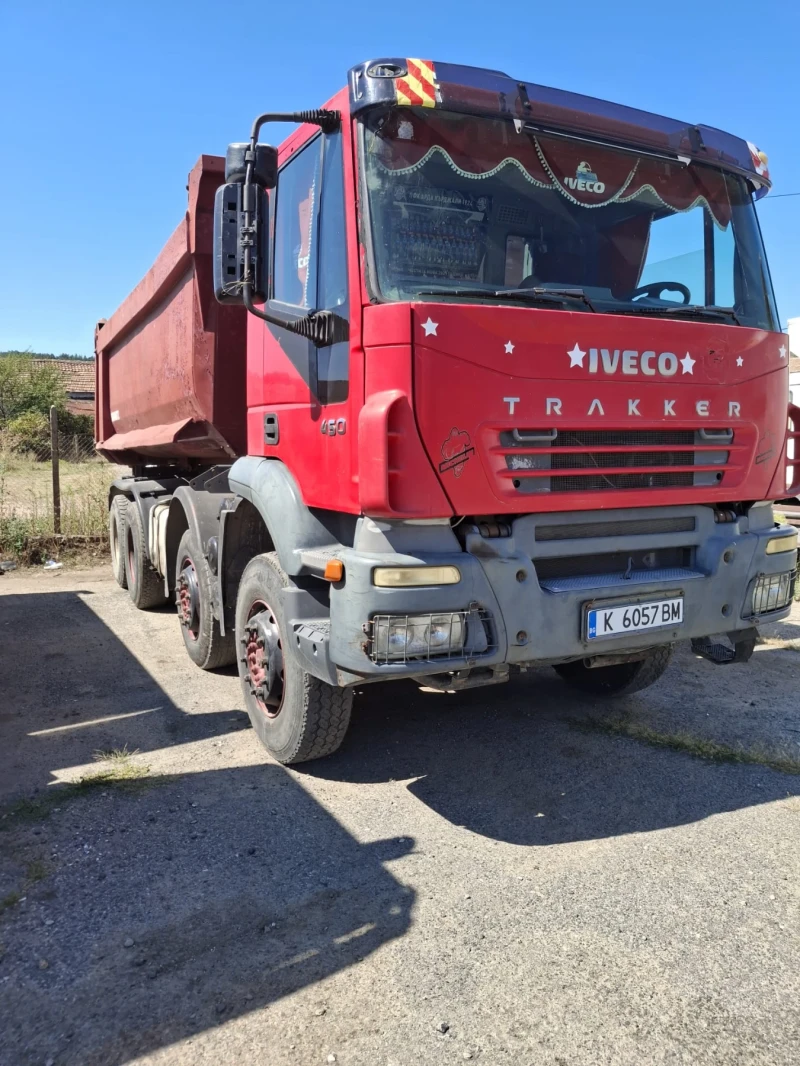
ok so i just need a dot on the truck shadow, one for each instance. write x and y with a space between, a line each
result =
71 689
529 763
175 903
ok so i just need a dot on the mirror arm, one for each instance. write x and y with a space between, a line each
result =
328 121
322 328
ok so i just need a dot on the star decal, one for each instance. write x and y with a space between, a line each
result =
782 350
687 363
430 327
509 347
576 356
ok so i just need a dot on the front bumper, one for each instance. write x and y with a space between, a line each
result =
531 619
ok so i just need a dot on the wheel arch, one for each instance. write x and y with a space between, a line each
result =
197 509
269 486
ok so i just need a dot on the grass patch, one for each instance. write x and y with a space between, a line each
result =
120 772
26 500
35 871
9 901
688 744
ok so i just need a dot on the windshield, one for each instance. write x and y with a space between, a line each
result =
467 207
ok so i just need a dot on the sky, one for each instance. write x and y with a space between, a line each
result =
106 106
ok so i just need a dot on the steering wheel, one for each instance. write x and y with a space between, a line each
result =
655 288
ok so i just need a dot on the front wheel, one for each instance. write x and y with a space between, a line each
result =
621 679
297 717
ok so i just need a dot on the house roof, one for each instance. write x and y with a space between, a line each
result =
77 375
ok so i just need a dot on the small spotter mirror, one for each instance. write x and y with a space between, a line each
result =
265 165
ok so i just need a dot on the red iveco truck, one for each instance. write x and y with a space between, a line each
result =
470 375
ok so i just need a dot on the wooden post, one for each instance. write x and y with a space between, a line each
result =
54 460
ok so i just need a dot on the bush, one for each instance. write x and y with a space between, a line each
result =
29 432
26 387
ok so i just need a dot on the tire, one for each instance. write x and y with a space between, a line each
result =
622 679
297 717
145 586
116 539
205 645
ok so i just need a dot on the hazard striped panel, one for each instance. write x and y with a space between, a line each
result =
418 87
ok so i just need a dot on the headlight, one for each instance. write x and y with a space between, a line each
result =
401 637
393 577
786 543
773 591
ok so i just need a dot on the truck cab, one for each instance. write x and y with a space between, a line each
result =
514 394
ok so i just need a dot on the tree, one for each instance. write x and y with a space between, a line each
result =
25 387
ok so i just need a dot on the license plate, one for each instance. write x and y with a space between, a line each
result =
633 618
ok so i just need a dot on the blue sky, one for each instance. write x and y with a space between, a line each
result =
106 106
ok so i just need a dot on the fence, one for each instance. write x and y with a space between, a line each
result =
51 483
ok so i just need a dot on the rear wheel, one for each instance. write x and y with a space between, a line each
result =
297 716
206 646
116 539
145 586
621 679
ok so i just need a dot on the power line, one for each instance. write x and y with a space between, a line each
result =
780 195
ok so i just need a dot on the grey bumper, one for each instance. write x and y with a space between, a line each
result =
533 619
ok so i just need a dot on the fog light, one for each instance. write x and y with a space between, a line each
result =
782 544
402 637
393 577
773 591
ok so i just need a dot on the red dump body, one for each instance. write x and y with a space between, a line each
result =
171 360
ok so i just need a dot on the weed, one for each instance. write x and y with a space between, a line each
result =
688 744
26 810
120 769
35 871
114 754
121 773
10 900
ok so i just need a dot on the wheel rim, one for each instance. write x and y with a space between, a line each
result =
187 599
263 658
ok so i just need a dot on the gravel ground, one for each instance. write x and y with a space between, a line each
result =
487 877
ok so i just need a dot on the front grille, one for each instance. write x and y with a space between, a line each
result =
624 527
566 460
613 563
596 483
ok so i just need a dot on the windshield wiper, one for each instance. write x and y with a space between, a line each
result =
559 294
719 314
526 295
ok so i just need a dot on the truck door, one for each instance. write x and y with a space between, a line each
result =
306 387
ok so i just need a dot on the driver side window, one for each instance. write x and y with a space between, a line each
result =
675 253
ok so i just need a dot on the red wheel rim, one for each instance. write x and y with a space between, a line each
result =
263 658
187 598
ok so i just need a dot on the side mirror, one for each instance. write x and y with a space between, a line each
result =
265 164
229 243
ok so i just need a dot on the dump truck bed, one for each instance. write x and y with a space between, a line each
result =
171 360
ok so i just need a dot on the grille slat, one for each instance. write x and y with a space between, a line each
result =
577 460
